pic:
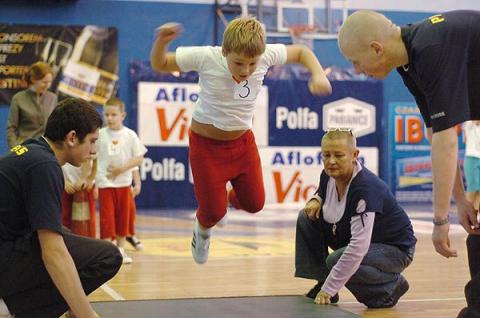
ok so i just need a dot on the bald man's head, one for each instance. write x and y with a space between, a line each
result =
367 39
362 27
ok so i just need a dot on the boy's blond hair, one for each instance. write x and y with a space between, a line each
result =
244 36
115 101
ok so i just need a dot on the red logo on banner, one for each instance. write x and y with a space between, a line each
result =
180 124
411 129
294 185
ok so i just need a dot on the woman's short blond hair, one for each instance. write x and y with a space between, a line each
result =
341 133
245 36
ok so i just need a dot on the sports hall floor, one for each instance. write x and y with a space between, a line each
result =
253 255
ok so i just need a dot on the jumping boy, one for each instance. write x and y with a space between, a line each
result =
222 145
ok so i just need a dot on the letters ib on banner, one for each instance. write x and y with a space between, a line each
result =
291 174
165 111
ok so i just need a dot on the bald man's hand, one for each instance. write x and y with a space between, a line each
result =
441 241
319 85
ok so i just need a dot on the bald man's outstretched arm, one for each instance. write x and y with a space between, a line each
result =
444 168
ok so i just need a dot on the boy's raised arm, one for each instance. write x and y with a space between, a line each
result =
318 84
160 59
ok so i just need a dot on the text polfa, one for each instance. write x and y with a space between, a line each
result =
167 170
301 118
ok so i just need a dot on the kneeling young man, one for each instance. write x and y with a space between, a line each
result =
45 270
355 214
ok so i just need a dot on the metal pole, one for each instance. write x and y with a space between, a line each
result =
328 16
260 10
215 23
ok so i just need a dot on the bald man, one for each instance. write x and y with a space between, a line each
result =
439 62
354 213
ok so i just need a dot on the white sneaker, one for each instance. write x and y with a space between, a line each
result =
224 220
126 258
200 245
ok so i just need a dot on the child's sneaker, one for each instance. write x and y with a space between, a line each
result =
200 244
224 220
136 244
126 259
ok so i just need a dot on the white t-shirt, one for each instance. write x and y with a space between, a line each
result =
222 101
116 147
472 133
72 173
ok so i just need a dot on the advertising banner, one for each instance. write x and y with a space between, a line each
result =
297 118
292 174
167 108
166 179
409 164
84 59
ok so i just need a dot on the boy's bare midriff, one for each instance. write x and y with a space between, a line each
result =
210 131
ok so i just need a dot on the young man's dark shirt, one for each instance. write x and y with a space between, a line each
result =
444 67
31 184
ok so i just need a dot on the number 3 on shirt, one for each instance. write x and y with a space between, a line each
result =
244 91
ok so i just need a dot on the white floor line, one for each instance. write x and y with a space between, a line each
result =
111 292
431 299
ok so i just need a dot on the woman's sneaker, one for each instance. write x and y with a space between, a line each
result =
135 242
400 289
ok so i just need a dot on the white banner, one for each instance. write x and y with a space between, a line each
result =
291 174
165 111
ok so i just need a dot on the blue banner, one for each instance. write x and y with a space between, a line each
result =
409 168
297 118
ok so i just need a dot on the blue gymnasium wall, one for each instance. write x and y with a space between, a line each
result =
136 20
